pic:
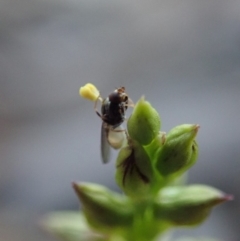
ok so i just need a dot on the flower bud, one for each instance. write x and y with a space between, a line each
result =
104 209
187 205
134 172
89 92
179 151
154 146
144 123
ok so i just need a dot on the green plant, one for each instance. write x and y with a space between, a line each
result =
150 170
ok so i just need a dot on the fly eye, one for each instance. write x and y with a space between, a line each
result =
124 98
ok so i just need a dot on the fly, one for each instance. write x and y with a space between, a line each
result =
113 115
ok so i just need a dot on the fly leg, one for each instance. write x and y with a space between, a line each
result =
95 106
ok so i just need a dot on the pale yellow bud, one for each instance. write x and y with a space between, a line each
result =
89 92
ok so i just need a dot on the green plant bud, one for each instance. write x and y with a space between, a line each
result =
144 123
187 205
179 151
134 172
154 146
69 226
104 209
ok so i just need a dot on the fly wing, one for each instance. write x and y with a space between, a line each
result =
105 147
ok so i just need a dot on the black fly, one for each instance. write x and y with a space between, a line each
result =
113 115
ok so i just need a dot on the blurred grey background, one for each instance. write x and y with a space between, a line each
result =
184 56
